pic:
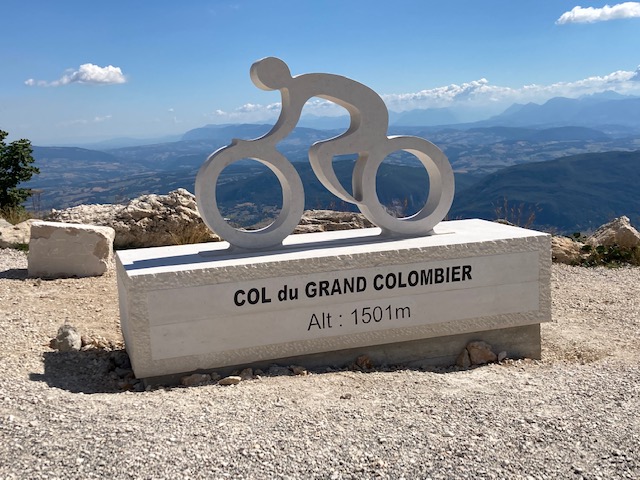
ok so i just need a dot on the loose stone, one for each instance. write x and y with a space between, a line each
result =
480 353
230 380
195 379
298 370
364 362
463 359
277 370
67 340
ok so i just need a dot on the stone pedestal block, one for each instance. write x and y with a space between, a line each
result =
69 250
324 296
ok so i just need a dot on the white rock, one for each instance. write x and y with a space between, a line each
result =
230 380
67 340
618 231
12 235
327 220
66 250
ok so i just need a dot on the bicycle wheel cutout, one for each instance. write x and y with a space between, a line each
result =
290 184
402 184
441 187
248 194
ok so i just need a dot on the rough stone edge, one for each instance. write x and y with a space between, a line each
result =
344 262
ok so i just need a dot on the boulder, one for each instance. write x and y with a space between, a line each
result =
147 221
12 235
565 250
618 231
67 250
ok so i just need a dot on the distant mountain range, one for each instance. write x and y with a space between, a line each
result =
607 111
582 141
602 112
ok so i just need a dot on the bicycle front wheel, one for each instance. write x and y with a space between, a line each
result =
441 187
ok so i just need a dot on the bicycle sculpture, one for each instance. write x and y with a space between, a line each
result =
366 137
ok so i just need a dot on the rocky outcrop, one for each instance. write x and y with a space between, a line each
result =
566 250
327 220
157 220
617 232
147 221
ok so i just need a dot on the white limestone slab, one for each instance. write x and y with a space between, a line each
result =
203 306
67 249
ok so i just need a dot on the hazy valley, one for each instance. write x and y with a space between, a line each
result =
573 163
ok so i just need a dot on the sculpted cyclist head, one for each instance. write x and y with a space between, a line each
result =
270 74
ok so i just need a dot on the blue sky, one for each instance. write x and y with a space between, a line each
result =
76 71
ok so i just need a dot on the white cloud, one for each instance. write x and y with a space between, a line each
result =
84 121
249 112
438 97
98 119
87 73
35 83
477 94
480 93
591 15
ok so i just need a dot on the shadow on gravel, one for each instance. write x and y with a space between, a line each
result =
91 371
14 274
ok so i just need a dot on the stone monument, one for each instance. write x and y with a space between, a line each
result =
414 289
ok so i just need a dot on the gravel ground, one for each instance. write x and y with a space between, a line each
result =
574 414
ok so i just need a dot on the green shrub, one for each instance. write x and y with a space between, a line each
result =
610 256
15 167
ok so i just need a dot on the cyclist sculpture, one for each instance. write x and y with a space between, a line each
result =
366 137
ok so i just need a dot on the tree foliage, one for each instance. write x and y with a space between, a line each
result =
15 167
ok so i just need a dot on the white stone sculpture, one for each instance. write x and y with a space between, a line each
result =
366 137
